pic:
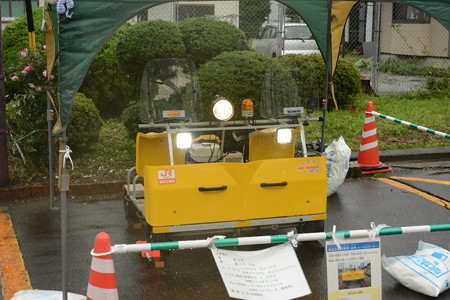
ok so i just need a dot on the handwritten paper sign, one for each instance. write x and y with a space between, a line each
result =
272 273
354 271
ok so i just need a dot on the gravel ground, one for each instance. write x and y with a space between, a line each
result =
396 84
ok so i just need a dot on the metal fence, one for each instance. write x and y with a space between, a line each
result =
392 43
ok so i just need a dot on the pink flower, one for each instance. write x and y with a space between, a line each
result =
31 85
15 78
45 46
39 89
26 69
52 77
24 52
44 73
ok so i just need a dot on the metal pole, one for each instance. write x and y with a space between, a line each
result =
327 77
276 239
406 123
4 170
64 188
50 153
376 57
30 22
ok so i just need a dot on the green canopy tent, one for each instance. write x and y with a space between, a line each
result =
94 21
78 38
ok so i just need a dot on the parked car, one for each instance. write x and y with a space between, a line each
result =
296 38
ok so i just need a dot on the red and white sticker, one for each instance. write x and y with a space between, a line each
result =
166 176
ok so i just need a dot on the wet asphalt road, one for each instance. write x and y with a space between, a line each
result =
192 274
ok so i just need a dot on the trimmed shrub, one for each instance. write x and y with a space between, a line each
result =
27 113
106 84
130 119
236 76
84 124
310 70
15 36
205 38
148 40
347 82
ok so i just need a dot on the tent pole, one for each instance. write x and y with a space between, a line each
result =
64 188
327 78
50 153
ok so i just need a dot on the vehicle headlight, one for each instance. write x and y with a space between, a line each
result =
284 135
222 109
184 140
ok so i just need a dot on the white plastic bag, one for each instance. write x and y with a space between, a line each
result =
338 158
426 272
44 295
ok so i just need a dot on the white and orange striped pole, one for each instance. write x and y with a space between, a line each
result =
102 278
368 156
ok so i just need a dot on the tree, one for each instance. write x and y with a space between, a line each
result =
252 15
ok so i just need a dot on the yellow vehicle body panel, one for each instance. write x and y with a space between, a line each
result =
153 149
304 192
263 145
353 275
234 191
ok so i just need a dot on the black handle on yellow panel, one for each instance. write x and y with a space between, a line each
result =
283 183
211 189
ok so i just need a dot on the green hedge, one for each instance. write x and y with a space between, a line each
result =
234 75
106 84
205 38
84 126
148 40
130 119
309 70
28 113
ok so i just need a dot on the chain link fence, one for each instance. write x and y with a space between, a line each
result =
395 45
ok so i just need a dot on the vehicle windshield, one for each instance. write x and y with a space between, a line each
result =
297 32
169 90
280 91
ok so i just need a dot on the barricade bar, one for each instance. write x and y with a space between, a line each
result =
276 239
425 129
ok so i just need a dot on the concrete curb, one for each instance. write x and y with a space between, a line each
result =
100 188
411 154
396 155
33 191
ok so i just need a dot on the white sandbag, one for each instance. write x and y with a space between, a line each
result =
426 272
338 158
45 295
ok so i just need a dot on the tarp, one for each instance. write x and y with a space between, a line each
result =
93 21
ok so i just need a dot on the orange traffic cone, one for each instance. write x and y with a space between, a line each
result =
102 279
368 156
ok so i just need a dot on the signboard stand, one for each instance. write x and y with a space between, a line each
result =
354 270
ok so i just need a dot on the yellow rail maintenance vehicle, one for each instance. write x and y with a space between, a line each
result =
353 274
235 175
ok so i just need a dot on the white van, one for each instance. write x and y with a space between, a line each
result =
296 38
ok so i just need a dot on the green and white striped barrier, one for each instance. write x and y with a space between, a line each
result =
439 133
276 239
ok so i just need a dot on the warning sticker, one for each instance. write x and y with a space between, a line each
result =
310 166
166 176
